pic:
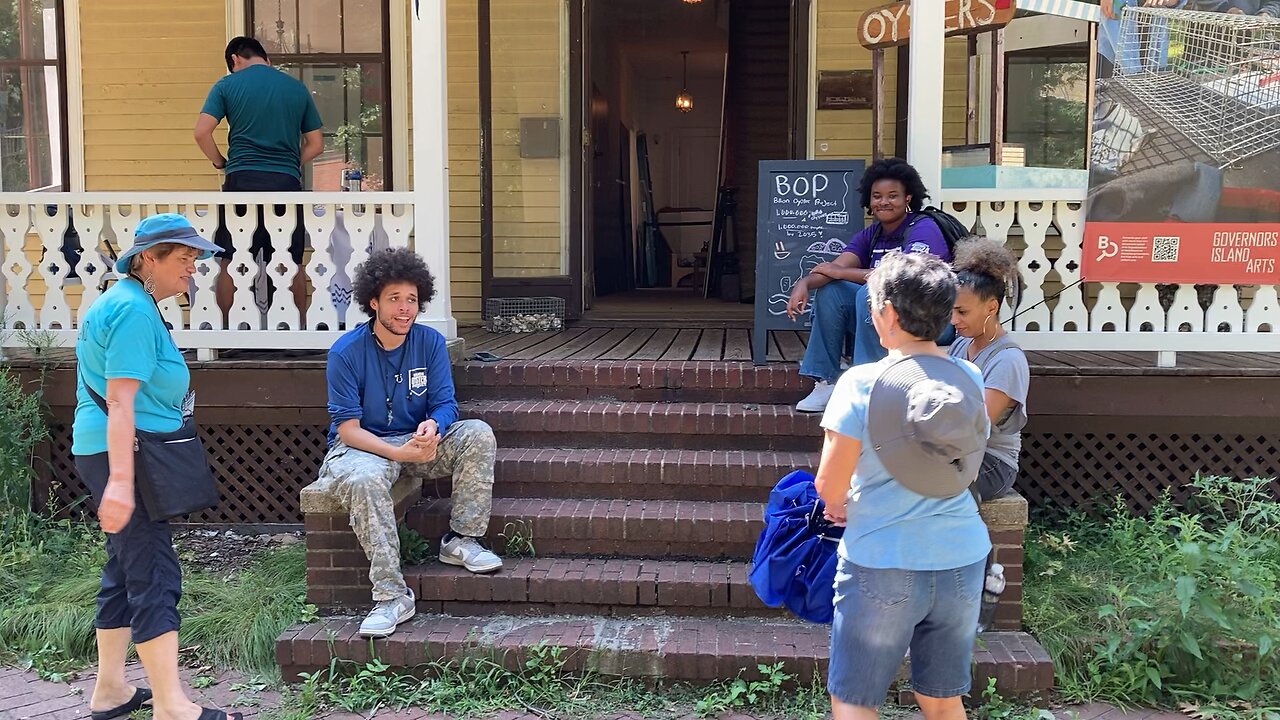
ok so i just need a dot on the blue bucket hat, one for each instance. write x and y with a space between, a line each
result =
165 228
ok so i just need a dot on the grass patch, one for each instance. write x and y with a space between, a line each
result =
1177 608
50 570
481 686
235 619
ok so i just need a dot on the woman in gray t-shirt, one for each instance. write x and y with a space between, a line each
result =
987 273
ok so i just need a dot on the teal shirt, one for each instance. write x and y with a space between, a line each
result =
123 336
268 111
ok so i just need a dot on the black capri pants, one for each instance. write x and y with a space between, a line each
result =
141 582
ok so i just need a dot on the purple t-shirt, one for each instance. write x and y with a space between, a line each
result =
917 233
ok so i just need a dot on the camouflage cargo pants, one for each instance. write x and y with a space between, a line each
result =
363 483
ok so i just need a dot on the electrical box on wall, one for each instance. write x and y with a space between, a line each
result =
539 137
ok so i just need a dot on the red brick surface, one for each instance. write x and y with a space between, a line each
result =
656 474
682 426
632 381
679 648
598 527
608 587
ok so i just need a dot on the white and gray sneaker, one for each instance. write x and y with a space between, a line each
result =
470 554
818 399
386 615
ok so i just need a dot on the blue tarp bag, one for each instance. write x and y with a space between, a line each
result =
794 563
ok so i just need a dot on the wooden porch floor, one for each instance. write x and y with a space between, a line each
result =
586 342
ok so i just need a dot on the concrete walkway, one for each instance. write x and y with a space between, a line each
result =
24 696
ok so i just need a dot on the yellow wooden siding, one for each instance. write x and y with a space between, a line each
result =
847 133
147 66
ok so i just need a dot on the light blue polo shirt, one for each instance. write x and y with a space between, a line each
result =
123 336
890 526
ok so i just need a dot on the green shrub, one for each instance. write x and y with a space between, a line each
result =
1178 607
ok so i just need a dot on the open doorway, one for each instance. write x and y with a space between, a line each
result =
670 203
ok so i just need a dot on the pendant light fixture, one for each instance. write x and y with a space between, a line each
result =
684 100
692 2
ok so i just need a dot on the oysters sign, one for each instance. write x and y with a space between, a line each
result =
889 25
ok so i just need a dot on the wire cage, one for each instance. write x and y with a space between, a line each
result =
1215 77
523 314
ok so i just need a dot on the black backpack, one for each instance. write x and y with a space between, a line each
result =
953 231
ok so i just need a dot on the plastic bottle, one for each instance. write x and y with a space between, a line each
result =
992 586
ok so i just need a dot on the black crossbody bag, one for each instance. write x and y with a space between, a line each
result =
170 470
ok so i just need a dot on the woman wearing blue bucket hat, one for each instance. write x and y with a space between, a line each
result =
133 384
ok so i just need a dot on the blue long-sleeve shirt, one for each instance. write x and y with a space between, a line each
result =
390 392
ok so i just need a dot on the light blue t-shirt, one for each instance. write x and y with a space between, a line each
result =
890 526
123 336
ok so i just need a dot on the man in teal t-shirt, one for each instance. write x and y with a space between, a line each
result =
275 131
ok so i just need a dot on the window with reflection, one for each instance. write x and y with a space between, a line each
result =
33 151
1048 90
340 50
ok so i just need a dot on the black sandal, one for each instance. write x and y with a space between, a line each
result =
211 714
140 697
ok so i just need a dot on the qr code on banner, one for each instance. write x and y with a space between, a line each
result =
1165 249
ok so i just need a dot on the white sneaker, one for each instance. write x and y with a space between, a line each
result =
386 615
818 399
470 554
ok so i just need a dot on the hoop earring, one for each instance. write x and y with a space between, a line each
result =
984 328
149 285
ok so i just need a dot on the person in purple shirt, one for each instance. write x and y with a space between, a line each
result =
894 194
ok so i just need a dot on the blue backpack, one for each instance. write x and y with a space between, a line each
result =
794 563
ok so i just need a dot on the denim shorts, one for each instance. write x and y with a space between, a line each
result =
879 614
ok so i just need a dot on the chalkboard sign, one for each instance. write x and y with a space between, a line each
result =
808 212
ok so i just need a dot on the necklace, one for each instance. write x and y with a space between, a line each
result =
390 381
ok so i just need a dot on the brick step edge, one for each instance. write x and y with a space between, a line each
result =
664 419
689 649
645 473
597 527
617 586
632 380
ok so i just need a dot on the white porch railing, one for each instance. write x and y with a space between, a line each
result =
1058 311
36 292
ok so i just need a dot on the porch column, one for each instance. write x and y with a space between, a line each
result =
924 92
428 89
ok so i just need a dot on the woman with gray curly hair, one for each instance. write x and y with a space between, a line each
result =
904 439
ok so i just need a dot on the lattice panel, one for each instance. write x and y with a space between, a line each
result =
1085 470
261 470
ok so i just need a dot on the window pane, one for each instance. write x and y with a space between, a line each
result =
1050 113
362 26
529 60
30 131
351 100
275 25
321 27
28 29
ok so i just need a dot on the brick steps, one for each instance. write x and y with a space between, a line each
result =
608 587
598 527
677 426
671 648
644 474
641 486
630 381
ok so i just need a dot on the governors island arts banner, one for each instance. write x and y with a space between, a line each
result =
1184 178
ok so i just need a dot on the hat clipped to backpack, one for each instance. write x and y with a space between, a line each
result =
928 424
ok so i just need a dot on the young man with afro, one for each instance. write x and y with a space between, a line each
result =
391 400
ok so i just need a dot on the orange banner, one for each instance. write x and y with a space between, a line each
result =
1221 253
